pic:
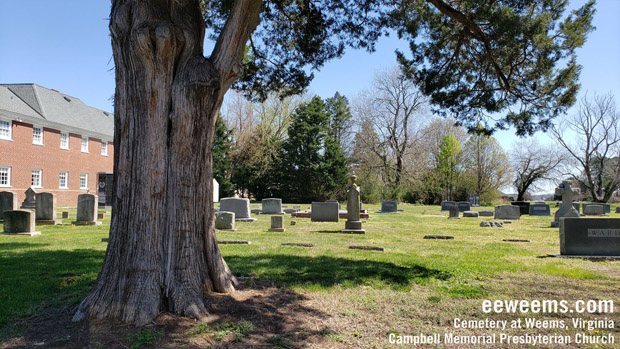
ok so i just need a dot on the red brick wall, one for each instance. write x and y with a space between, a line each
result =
23 156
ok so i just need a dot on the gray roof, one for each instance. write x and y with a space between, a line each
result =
38 102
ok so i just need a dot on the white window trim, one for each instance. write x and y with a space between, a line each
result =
68 137
86 182
33 140
66 173
82 144
40 178
104 151
10 136
8 185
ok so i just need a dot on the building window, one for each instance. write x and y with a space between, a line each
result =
104 148
64 140
36 178
37 135
5 129
83 180
5 176
62 180
84 144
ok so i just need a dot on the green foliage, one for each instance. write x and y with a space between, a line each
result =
523 60
314 166
340 120
473 58
449 161
222 152
146 337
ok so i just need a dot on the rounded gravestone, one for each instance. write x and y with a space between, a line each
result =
272 206
225 220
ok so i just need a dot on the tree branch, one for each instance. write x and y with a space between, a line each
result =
228 53
476 31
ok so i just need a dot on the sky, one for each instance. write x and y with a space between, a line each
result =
65 45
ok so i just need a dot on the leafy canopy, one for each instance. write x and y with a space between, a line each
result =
476 59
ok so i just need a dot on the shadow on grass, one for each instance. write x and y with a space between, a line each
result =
325 271
34 278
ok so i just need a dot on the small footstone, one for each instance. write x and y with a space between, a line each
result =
492 224
234 242
516 240
293 222
65 214
507 222
368 248
105 239
439 237
297 244
470 214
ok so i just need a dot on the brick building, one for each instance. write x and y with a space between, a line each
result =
52 142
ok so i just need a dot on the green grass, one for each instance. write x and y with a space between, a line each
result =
58 267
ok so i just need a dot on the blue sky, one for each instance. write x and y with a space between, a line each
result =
65 45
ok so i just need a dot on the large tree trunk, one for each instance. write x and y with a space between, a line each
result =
163 253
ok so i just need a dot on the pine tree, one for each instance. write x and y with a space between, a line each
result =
314 165
222 149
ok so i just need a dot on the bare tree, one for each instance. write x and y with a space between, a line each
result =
596 150
487 166
532 163
395 109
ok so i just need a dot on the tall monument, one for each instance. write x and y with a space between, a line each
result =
353 225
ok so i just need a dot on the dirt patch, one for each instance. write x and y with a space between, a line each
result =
277 317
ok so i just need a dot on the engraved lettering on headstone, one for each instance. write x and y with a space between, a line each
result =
604 233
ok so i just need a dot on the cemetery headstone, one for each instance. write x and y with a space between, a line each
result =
445 205
30 200
590 236
272 206
454 212
353 224
507 212
389 207
464 206
473 199
618 209
277 224
324 212
45 209
486 213
540 209
470 214
606 207
8 202
225 220
593 210
240 206
100 216
65 214
87 210
524 207
566 209
20 222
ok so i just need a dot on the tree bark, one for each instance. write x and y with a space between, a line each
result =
162 253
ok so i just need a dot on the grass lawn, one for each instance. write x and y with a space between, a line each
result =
329 295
